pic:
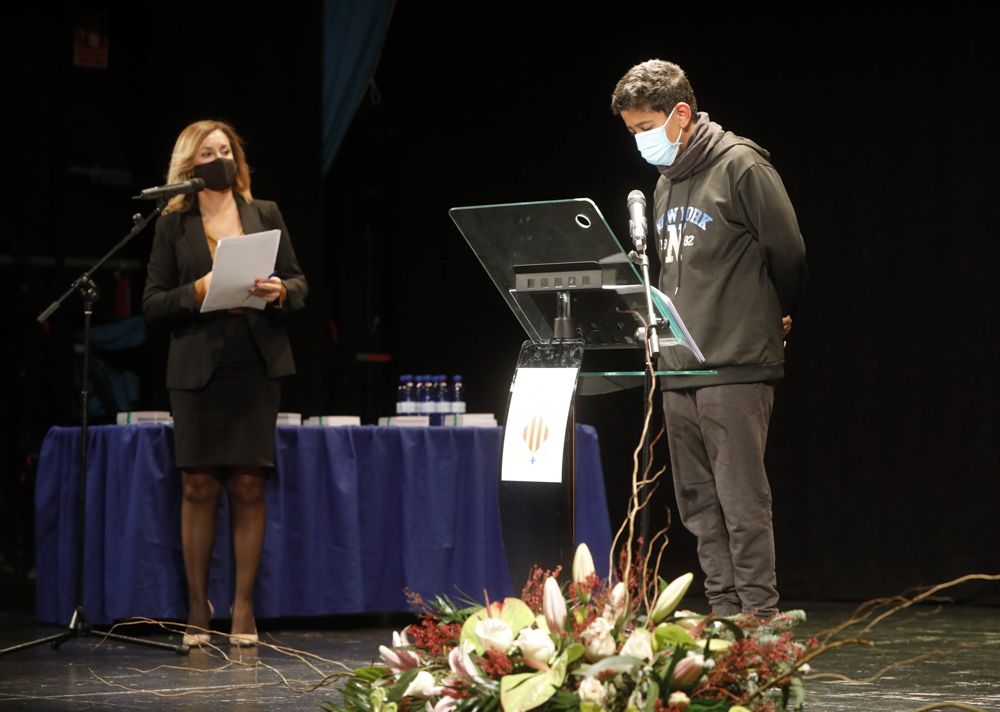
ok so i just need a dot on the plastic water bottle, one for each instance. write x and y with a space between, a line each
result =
457 394
433 407
401 396
443 394
411 395
404 395
423 395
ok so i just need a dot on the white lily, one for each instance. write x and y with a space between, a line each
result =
615 607
583 564
553 605
445 704
396 659
670 596
422 686
461 664
688 619
688 671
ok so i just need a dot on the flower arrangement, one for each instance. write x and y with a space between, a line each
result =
592 645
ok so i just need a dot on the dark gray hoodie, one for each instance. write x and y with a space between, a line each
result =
732 257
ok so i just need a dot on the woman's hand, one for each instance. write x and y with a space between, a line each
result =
201 287
268 289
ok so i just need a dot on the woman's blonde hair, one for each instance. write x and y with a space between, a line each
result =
185 150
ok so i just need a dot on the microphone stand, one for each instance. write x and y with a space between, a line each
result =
651 339
79 625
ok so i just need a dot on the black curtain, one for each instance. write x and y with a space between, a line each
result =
883 453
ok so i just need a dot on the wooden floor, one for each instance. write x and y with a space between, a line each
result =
86 673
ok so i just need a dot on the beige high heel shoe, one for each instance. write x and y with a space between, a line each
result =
196 640
243 640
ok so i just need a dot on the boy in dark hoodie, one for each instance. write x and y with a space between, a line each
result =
732 260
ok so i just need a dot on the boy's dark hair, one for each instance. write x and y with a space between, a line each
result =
654 84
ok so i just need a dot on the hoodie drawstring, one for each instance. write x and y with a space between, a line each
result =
680 232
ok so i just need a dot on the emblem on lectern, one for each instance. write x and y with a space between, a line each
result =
535 434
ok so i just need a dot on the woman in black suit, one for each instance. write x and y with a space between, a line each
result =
223 366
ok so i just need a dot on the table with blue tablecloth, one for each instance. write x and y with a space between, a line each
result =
356 517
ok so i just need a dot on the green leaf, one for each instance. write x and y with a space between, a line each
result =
652 695
614 663
708 706
397 690
372 673
798 691
358 688
589 706
356 698
542 624
671 634
485 696
528 690
377 697
563 699
574 651
716 645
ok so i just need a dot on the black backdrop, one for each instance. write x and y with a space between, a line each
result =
883 453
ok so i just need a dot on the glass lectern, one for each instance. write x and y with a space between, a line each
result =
573 288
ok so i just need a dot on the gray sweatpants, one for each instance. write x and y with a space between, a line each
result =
717 436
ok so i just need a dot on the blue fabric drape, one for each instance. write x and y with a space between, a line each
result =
355 516
353 32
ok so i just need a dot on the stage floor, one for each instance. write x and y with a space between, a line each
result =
82 675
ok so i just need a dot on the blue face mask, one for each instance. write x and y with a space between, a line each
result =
655 147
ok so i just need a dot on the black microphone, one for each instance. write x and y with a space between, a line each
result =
637 216
168 191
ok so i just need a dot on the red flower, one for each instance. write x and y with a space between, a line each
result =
496 664
639 579
578 628
768 660
435 638
457 692
585 589
532 593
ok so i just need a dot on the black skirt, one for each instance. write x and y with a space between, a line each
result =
230 422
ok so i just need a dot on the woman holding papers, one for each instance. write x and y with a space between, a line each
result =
223 365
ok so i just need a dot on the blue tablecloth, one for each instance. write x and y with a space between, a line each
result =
355 517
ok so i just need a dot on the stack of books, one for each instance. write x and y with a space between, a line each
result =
460 420
133 417
405 421
332 421
470 420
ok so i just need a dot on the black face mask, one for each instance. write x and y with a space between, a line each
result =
219 174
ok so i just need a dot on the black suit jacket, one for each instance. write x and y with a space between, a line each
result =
179 257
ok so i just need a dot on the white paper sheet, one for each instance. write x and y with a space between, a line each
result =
536 425
238 262
667 309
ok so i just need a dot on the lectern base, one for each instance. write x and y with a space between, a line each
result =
538 514
537 528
